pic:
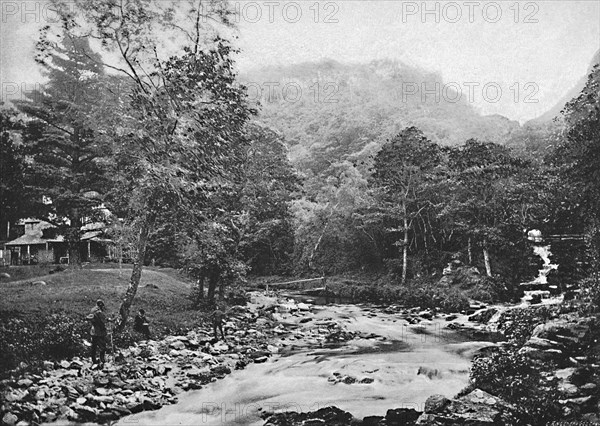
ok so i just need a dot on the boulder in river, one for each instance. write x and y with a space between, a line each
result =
330 416
10 419
476 408
401 416
483 316
568 331
436 403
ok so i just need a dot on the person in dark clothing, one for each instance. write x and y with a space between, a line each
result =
140 324
99 331
218 318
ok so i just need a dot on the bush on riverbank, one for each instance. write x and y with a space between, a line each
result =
54 336
514 378
518 324
422 293
589 295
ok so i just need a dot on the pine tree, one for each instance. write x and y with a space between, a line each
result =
70 159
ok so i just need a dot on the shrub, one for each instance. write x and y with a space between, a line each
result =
491 290
124 339
61 336
513 377
54 336
518 324
418 293
589 295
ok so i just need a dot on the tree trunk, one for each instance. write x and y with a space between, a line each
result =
201 287
74 238
212 285
314 251
222 290
486 259
198 291
136 274
470 251
405 246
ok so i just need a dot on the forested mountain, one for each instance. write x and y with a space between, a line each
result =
330 111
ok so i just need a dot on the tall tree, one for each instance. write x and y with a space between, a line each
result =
480 207
402 169
69 159
12 170
265 191
181 129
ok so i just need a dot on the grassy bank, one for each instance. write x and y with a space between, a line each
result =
48 320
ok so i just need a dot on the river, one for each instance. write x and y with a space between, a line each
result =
400 364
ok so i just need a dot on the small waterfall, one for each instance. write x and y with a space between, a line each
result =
539 288
544 253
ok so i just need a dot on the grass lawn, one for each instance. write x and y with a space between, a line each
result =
31 272
162 293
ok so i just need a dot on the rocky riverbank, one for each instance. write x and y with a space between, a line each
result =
153 373
476 408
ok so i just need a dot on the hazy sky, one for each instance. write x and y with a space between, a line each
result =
531 51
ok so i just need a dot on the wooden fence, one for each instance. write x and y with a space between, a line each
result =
303 283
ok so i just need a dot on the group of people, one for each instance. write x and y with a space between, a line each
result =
100 333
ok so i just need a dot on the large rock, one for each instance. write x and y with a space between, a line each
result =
483 316
177 345
436 403
555 355
303 307
538 342
330 416
10 419
476 408
373 421
571 332
401 417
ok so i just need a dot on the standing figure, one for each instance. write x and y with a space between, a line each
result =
98 319
218 318
140 324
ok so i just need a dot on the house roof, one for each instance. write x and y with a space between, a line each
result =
27 240
33 235
90 235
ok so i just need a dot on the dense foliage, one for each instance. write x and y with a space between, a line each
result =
514 377
53 337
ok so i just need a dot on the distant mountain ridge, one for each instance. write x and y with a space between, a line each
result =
330 112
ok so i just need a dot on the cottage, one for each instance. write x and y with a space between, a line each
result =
39 244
